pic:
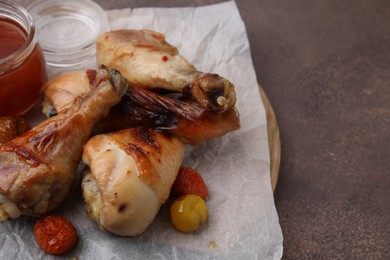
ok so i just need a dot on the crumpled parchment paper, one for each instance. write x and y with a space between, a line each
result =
243 222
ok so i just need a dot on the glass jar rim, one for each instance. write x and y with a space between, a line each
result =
18 14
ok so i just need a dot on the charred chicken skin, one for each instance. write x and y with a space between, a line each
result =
38 167
186 120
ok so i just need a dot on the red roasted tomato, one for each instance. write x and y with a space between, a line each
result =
189 181
55 234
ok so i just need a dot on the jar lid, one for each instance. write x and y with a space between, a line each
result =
67 29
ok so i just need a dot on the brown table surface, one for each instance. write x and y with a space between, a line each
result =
325 66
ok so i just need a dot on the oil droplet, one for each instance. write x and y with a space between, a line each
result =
212 245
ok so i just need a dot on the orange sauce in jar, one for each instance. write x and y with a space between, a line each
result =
22 68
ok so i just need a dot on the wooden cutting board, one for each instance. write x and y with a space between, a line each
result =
273 139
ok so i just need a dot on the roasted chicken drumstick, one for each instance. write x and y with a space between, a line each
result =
186 120
141 107
145 59
131 173
38 167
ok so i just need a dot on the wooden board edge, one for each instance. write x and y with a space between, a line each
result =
274 142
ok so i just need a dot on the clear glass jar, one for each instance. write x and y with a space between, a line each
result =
22 65
67 31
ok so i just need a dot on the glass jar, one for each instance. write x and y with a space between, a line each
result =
67 32
22 65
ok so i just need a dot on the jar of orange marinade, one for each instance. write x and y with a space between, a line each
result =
22 65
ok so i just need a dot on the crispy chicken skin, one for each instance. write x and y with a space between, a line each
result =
145 59
130 175
11 127
38 167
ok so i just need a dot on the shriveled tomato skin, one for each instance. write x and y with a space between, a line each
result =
55 234
189 181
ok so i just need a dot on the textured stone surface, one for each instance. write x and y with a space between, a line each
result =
325 66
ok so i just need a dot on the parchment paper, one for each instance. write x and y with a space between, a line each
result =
243 222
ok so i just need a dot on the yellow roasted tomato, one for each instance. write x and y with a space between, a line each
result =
188 212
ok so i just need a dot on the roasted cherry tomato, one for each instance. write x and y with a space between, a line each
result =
188 181
188 213
55 234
